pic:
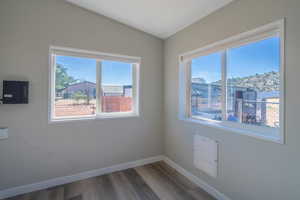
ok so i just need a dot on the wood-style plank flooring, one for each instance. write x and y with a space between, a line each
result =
156 181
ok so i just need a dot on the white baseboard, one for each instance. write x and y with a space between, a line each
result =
76 177
97 172
209 189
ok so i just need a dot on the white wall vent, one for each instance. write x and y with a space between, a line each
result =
206 155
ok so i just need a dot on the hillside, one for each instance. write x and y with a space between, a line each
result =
262 82
266 82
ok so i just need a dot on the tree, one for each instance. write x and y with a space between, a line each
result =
62 79
78 96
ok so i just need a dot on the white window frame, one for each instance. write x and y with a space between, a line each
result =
98 56
273 29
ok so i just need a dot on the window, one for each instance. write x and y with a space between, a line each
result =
87 85
237 83
206 90
116 79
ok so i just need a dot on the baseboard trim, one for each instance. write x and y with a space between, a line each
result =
98 172
209 189
76 177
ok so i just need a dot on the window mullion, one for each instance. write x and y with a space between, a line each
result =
189 89
99 87
224 84
135 106
52 89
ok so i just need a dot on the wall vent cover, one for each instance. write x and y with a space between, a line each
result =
206 155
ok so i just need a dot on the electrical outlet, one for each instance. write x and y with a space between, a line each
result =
3 133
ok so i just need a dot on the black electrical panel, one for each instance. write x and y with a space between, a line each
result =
15 92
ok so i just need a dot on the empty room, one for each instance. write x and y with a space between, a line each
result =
149 100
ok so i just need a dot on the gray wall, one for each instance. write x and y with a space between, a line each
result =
249 168
36 150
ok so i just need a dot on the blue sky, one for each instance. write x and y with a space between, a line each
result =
113 73
259 57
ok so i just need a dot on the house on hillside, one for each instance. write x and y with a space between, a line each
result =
270 109
244 104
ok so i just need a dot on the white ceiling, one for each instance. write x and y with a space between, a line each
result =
161 18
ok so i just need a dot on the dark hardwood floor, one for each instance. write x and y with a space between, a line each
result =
156 181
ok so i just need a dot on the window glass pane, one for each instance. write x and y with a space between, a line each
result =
75 87
206 87
253 83
116 87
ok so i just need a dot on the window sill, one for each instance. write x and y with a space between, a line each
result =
95 117
262 135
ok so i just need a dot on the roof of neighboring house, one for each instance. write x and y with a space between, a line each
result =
112 88
83 82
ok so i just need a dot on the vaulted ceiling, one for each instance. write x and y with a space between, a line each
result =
161 18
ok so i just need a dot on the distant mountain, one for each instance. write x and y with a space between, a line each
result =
198 80
266 82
